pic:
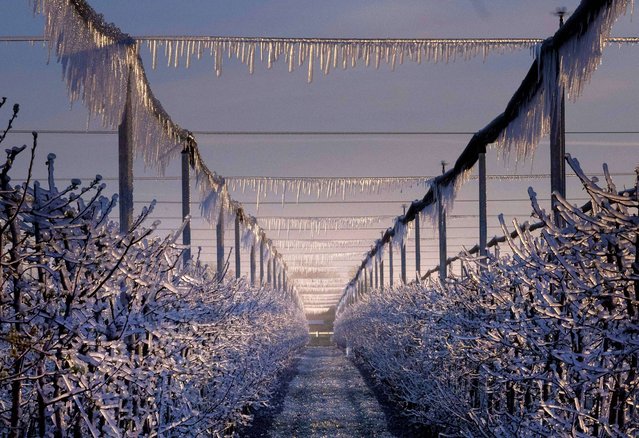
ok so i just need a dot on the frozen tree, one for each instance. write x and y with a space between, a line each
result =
106 334
543 342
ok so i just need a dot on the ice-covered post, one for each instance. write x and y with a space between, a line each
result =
252 264
390 262
219 234
125 160
261 260
376 275
365 279
418 256
186 201
284 282
442 229
275 271
402 255
381 264
558 136
483 218
238 267
370 278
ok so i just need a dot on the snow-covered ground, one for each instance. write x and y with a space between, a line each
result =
328 397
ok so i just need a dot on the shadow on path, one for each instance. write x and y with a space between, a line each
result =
326 397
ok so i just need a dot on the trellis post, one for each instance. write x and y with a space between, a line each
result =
381 265
376 274
558 138
418 255
402 255
365 275
284 281
390 262
442 230
125 161
483 218
370 278
261 260
252 263
219 233
238 267
275 271
186 202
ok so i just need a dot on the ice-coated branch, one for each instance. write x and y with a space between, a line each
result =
564 61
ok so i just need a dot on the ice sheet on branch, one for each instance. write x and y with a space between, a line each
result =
564 62
325 54
322 258
327 187
321 244
99 63
318 224
568 68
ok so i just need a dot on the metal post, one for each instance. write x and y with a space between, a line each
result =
483 218
442 230
418 256
238 267
381 264
274 272
219 229
252 263
284 285
261 261
390 262
376 275
125 162
402 256
558 139
186 203
370 278
365 279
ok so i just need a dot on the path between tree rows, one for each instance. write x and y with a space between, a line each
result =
327 398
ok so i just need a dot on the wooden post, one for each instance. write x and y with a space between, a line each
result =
418 255
483 218
238 267
442 230
186 203
558 139
268 273
402 256
390 262
219 228
125 162
252 264
261 260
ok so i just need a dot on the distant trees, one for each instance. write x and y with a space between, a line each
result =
105 334
543 342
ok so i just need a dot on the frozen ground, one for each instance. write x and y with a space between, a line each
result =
328 398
